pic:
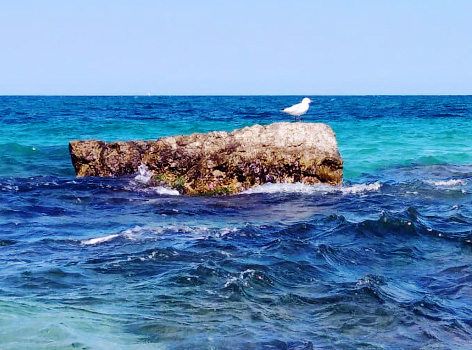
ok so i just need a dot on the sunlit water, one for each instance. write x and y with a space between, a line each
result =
383 262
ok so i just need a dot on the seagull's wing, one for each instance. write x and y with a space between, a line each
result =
293 109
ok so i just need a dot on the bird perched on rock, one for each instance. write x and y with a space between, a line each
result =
299 109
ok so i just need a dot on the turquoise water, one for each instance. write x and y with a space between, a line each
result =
397 130
383 262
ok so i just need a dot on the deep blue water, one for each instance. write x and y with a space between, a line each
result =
383 262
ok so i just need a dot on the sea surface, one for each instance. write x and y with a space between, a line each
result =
382 262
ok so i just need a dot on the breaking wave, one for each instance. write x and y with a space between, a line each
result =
447 183
314 189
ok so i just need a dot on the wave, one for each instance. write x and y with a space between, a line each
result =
144 178
131 234
451 225
339 269
160 190
95 241
144 174
146 232
447 183
271 188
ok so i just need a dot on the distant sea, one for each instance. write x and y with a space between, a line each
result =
382 262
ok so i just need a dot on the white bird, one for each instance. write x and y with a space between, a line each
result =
299 109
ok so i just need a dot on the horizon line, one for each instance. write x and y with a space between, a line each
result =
216 95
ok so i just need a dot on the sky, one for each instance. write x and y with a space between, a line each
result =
219 47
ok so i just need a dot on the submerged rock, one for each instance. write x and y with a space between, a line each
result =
221 162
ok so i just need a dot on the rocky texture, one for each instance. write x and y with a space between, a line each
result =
221 162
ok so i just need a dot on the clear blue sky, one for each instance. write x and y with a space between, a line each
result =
299 47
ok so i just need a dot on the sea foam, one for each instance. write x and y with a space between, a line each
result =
298 187
94 241
127 234
447 183
144 176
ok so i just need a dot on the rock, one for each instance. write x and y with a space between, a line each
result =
221 162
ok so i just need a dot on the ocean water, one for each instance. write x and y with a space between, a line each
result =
382 262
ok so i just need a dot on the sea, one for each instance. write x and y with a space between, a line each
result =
382 262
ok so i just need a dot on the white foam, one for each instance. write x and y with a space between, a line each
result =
165 191
128 234
10 188
161 190
312 189
144 174
361 188
188 233
447 183
226 231
143 178
242 276
99 240
282 188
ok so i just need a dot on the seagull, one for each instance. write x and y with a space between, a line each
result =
299 109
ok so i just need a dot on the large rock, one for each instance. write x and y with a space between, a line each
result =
221 162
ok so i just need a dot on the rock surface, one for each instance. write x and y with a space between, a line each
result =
221 162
